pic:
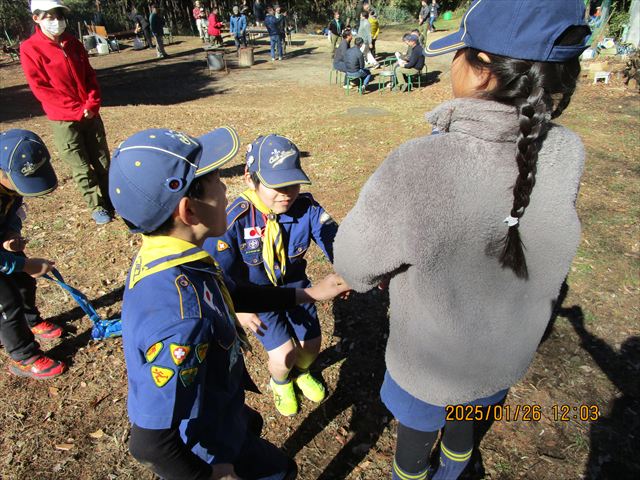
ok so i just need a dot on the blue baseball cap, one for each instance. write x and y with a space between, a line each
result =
523 29
152 170
276 161
26 161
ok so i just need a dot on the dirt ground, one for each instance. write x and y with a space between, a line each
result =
75 427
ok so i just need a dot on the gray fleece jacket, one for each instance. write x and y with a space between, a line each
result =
461 326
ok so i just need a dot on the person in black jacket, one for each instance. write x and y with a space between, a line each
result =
141 25
273 27
354 62
335 31
412 66
259 13
341 52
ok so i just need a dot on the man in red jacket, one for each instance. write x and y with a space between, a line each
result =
60 76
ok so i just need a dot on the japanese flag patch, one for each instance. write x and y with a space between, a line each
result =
179 353
161 375
252 232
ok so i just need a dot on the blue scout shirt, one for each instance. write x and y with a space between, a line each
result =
239 251
184 363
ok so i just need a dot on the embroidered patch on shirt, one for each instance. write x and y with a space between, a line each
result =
201 352
161 375
208 299
252 232
222 246
253 244
153 351
326 218
179 353
188 375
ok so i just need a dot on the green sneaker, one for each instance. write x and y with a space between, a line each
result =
285 399
310 387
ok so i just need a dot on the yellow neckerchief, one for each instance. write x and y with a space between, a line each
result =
159 253
272 245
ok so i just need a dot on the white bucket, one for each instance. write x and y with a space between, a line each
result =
103 49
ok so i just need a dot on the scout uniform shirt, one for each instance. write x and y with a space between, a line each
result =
239 251
184 364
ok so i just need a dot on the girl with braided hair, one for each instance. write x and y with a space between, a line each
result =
471 291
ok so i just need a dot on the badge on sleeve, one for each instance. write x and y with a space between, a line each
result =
161 375
179 353
222 246
326 218
188 375
252 232
201 351
208 299
153 351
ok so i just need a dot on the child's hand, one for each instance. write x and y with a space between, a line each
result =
37 267
252 322
14 242
224 471
327 288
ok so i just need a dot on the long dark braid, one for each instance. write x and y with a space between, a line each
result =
540 91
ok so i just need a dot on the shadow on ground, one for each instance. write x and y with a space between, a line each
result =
361 329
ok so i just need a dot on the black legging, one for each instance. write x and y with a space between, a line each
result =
413 447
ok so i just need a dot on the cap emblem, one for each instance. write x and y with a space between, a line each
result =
278 157
29 168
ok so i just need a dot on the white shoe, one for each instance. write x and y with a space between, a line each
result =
347 86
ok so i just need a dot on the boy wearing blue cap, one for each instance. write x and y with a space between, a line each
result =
271 226
182 340
25 170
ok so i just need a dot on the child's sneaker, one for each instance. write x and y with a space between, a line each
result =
46 329
285 399
310 387
38 367
101 216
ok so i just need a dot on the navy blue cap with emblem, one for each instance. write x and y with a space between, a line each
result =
152 170
276 161
523 29
24 158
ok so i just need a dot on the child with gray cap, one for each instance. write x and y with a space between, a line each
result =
271 226
182 341
25 170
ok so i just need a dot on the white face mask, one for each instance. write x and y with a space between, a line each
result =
53 26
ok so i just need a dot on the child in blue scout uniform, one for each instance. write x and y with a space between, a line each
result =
271 226
25 170
182 342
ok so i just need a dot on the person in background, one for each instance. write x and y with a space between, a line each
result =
335 31
245 9
354 63
272 24
156 22
281 16
60 76
412 66
375 31
238 27
200 16
259 13
423 21
433 14
141 25
215 27
364 32
341 51
98 17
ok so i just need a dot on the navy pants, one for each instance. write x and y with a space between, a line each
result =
260 460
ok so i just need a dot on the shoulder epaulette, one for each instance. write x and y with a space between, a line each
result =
238 207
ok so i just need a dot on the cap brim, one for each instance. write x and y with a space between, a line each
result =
218 147
52 6
445 45
41 184
285 178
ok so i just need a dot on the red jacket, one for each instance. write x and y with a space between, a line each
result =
214 25
60 76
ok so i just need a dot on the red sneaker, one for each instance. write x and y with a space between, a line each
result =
38 367
46 329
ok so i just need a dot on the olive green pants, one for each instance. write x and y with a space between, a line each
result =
83 146
402 73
